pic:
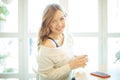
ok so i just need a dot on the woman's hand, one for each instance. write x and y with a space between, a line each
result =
78 61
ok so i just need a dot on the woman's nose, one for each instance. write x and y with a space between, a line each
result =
59 23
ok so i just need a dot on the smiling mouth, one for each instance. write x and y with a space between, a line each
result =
60 29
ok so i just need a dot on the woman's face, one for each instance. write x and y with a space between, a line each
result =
57 25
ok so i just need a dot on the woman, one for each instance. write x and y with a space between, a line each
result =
55 60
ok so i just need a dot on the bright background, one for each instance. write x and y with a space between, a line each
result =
94 24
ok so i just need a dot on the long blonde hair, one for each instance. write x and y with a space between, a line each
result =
48 15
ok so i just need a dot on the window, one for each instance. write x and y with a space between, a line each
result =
93 23
95 27
83 23
11 23
83 15
8 54
113 37
113 16
18 39
9 42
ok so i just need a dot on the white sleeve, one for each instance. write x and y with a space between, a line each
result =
46 69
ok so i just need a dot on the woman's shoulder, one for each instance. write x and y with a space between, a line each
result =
48 43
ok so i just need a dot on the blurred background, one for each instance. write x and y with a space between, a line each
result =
94 24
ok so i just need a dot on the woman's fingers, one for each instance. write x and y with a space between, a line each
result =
79 61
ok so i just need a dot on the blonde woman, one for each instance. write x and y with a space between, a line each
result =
55 58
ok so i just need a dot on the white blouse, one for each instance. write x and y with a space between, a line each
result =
53 62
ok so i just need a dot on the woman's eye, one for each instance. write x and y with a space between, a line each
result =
62 18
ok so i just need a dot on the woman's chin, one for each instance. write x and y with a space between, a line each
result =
60 32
